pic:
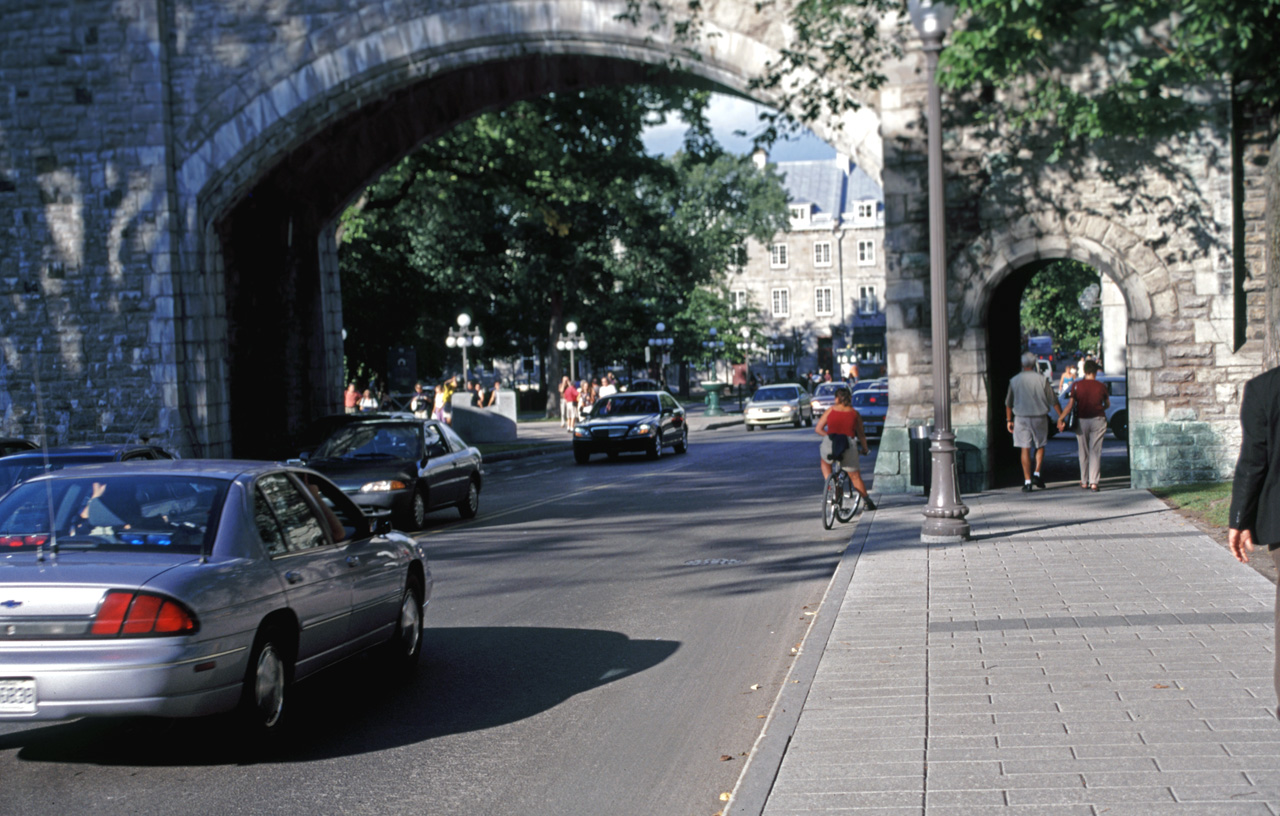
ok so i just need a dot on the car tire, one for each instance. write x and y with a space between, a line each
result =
808 423
267 681
750 427
1119 425
682 446
405 646
612 454
580 456
414 517
799 420
470 504
655 449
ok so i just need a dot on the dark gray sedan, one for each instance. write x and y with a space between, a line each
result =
180 589
407 466
632 422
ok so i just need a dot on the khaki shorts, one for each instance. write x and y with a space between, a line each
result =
848 460
1030 432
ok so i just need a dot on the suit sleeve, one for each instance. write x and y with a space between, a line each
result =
1251 468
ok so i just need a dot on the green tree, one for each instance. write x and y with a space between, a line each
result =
1051 305
550 211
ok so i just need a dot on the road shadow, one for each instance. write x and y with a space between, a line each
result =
470 679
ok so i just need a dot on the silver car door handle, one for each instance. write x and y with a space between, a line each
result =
293 577
353 560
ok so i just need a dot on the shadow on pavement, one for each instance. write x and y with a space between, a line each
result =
470 679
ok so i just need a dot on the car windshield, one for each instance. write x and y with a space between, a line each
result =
775 393
828 389
151 512
621 405
870 399
372 442
20 468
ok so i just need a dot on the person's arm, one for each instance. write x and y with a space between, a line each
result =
820 427
1251 471
1062 415
1052 399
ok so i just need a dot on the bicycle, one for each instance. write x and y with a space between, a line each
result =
839 499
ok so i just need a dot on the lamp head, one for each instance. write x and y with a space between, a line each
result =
661 327
464 320
931 18
571 327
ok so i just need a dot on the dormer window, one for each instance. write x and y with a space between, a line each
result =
864 214
800 214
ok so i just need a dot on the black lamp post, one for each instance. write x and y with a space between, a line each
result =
461 338
661 343
944 516
571 341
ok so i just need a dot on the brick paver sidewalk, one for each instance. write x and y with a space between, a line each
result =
1083 654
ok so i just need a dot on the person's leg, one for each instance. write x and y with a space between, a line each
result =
826 467
1039 458
1275 556
1026 464
1096 432
1082 453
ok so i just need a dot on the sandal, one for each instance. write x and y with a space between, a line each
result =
1094 488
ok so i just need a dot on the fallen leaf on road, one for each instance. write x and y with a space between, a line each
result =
724 797
1160 685
755 687
725 758
759 716
811 613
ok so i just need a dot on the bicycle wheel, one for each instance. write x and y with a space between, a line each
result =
848 507
830 503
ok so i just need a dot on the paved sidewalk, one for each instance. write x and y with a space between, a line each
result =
1083 654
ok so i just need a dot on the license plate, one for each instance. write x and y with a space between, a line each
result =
17 696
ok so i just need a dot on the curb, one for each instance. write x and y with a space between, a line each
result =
751 793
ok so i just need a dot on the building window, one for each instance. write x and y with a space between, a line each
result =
738 299
800 214
738 257
864 213
868 303
866 253
781 303
822 253
822 301
778 256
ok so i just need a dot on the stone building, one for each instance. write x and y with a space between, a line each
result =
818 287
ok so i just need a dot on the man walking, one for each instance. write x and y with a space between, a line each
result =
1255 493
1026 409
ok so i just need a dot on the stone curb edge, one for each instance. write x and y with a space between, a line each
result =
751 793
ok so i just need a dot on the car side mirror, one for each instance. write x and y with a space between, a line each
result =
299 461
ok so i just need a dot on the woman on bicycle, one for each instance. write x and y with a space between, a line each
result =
842 419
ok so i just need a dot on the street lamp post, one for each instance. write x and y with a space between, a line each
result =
713 388
776 347
747 346
572 341
461 338
945 514
661 344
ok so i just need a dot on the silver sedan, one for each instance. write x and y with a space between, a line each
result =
181 589
786 404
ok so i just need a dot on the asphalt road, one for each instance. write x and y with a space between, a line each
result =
603 639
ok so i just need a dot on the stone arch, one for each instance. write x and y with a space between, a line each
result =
256 167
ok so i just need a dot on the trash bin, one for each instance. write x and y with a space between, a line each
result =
921 460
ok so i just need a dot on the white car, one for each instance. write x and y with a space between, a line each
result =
1117 411
785 404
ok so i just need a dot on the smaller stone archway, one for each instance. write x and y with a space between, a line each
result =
992 276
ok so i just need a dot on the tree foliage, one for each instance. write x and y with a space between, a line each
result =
546 212
1051 305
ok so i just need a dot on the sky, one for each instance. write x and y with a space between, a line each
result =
731 113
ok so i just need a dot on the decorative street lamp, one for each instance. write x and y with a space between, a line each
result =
776 347
661 343
747 346
571 341
944 516
714 345
462 337
713 388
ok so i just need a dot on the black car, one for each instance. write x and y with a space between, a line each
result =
10 444
18 467
632 422
408 466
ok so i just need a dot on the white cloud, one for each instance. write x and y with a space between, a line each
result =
728 114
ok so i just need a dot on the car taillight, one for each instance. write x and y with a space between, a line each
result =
138 613
24 540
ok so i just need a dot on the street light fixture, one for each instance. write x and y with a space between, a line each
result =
714 345
944 516
776 347
571 341
463 337
662 343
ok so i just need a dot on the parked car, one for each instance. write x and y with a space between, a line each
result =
407 466
786 404
873 405
632 422
824 396
878 384
18 467
644 385
189 588
9 444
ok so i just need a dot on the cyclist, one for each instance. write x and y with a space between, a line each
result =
843 420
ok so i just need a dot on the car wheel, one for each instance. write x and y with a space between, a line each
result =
798 420
612 454
809 422
580 456
682 446
414 517
405 646
471 502
1120 425
655 450
750 427
266 684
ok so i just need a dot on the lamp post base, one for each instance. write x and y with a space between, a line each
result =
944 521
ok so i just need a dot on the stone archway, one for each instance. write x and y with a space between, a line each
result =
264 183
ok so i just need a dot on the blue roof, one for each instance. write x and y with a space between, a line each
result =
827 186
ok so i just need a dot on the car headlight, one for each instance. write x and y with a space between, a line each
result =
643 429
579 430
382 486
